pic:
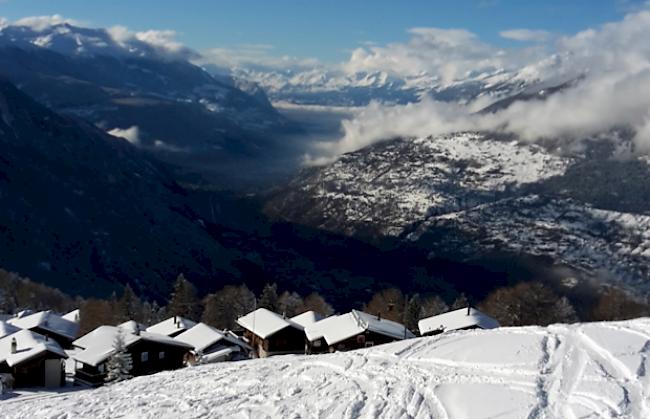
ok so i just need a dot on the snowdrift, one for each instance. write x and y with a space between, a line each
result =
585 370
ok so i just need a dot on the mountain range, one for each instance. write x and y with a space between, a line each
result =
153 96
117 148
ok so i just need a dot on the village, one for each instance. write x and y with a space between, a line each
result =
42 350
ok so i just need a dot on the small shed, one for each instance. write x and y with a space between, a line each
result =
354 330
50 324
173 326
272 334
461 319
33 360
150 352
213 345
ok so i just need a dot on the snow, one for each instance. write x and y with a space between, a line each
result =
72 316
171 325
457 319
336 329
98 345
265 323
562 371
28 346
202 336
7 329
307 318
47 320
221 355
394 185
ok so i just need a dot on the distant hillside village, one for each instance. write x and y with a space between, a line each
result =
104 341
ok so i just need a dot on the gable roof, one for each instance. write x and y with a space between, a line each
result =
265 323
7 329
28 345
49 321
202 336
457 319
171 325
307 318
317 330
73 316
336 329
98 345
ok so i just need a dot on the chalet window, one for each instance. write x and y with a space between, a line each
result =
369 344
317 343
161 355
361 339
101 368
144 356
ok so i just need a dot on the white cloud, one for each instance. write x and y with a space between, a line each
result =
254 55
526 35
41 23
162 42
614 61
449 54
131 135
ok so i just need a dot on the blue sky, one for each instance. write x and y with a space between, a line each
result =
325 30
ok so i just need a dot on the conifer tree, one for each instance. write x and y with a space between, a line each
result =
412 312
129 306
120 363
269 297
460 302
184 301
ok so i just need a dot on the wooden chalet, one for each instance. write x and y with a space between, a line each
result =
62 330
270 333
150 352
353 330
213 345
461 319
172 327
32 360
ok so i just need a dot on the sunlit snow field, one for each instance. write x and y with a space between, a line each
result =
588 370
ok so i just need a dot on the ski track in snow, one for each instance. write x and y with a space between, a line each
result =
593 370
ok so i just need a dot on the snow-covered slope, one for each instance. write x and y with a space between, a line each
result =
587 371
614 246
390 186
470 196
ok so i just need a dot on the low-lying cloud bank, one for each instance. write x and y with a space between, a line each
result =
612 62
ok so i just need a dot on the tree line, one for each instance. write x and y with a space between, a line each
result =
526 303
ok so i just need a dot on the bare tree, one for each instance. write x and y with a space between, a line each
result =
528 303
388 304
314 302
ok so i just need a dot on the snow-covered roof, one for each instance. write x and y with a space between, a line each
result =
49 321
73 316
28 345
265 323
307 318
7 329
202 336
457 319
172 325
132 326
221 353
317 330
98 345
339 328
